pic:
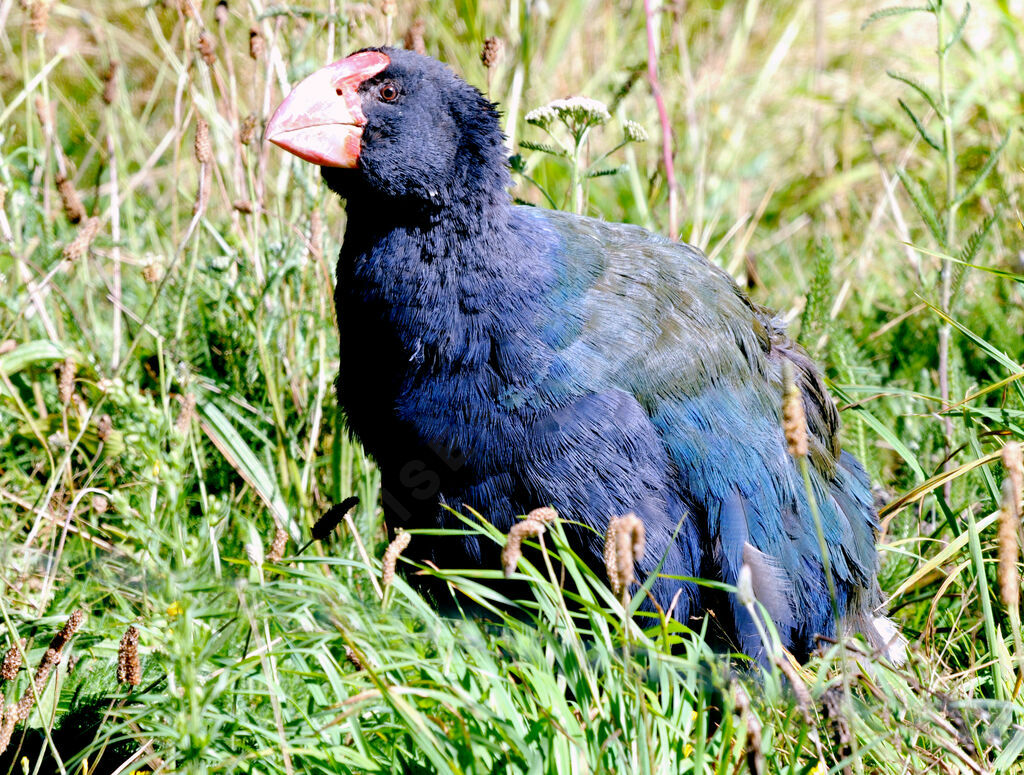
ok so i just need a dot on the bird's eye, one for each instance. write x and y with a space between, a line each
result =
388 92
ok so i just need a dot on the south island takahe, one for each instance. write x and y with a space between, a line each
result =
504 357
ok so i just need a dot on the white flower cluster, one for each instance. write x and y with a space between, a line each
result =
578 110
634 132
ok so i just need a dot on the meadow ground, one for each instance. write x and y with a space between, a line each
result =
168 431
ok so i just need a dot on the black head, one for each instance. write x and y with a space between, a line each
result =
391 124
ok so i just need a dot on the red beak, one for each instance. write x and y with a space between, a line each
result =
321 121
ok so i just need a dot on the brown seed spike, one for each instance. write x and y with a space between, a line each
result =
332 518
414 37
10 718
39 15
129 670
794 422
247 132
70 200
630 538
104 426
207 47
391 555
528 528
491 52
12 662
257 45
545 514
203 148
110 84
66 381
277 546
611 549
79 246
1009 549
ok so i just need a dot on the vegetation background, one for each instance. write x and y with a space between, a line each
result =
168 431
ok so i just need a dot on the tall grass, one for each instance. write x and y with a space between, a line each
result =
167 418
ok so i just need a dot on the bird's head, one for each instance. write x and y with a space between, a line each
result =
393 124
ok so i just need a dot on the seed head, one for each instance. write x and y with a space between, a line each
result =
528 528
794 422
745 586
39 15
10 719
188 410
100 504
152 270
257 45
414 37
207 47
277 546
388 7
44 112
1013 462
104 426
545 514
247 131
391 555
243 206
110 84
79 246
128 669
66 381
203 148
332 518
1009 548
220 13
69 198
491 52
623 545
12 663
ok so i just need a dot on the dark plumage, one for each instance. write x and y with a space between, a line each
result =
503 357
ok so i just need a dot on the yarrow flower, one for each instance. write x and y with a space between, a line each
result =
634 132
581 111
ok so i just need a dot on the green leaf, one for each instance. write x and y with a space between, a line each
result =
238 454
986 168
899 10
542 147
917 86
920 127
958 31
922 205
41 351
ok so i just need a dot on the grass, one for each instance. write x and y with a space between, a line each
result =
166 401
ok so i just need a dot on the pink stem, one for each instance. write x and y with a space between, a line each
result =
666 127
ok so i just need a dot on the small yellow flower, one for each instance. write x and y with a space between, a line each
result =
174 610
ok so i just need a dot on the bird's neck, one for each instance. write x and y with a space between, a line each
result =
438 284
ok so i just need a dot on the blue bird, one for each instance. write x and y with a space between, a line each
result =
503 357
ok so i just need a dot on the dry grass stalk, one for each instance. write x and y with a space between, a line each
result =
207 46
70 200
66 381
12 662
257 45
794 421
624 544
414 37
513 550
277 546
391 555
79 246
129 670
